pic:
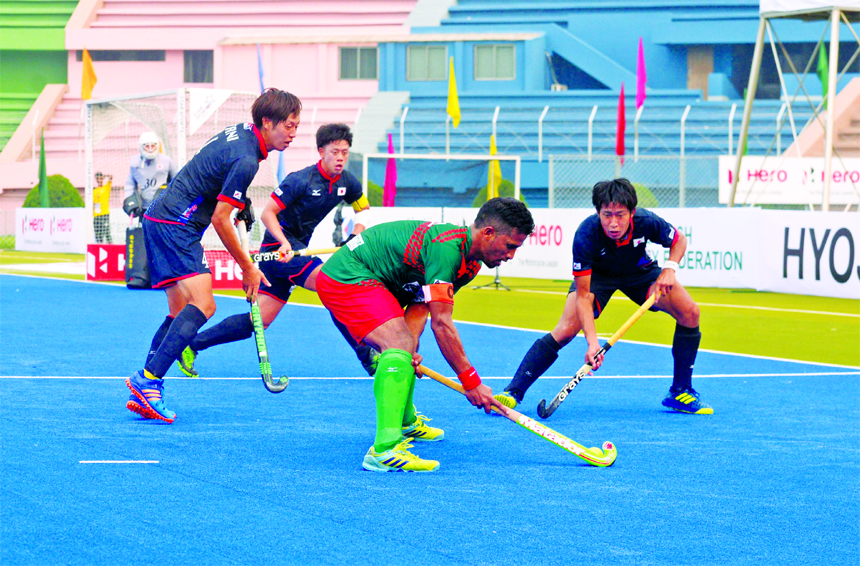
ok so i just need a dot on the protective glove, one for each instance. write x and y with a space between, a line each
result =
246 215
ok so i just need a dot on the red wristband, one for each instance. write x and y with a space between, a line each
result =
469 379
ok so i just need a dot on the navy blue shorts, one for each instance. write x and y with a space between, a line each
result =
635 286
174 252
284 276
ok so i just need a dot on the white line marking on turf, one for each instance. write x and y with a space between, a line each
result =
753 307
118 462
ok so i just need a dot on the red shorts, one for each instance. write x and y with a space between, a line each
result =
361 307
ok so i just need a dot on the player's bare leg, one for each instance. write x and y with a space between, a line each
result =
542 354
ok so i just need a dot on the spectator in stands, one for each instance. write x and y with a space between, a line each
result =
101 208
149 172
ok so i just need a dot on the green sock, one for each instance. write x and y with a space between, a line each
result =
391 388
409 414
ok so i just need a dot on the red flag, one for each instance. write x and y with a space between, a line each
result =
389 191
619 132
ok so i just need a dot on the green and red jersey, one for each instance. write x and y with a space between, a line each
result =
405 256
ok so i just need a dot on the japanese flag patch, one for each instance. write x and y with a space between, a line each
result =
341 191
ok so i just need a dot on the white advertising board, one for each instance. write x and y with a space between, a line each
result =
810 253
789 180
720 249
50 230
776 7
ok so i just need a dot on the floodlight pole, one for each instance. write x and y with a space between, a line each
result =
745 123
833 64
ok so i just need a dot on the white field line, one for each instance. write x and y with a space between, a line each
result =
544 331
118 462
507 378
752 307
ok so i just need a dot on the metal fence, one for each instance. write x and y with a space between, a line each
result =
661 181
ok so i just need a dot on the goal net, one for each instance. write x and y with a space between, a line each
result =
184 120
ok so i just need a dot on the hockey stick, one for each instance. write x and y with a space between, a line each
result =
545 411
260 338
276 255
594 456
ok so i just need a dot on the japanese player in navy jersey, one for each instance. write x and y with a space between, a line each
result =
297 206
608 255
206 191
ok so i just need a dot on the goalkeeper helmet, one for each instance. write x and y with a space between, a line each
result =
148 145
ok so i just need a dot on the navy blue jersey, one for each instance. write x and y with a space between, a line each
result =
306 197
594 251
222 170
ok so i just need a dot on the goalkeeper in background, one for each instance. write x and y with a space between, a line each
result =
204 192
297 206
148 172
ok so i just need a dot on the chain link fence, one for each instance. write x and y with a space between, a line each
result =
661 181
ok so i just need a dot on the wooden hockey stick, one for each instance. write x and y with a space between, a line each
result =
594 456
545 411
260 338
275 255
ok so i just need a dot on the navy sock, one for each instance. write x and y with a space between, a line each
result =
179 335
362 351
159 336
542 354
685 346
231 329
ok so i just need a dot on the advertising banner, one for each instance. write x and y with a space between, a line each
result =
789 180
810 253
58 230
105 262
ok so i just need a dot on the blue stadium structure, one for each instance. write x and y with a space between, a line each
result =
566 60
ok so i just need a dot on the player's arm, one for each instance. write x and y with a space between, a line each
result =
269 216
666 280
585 314
448 339
251 276
362 214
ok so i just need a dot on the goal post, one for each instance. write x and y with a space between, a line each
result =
442 172
184 120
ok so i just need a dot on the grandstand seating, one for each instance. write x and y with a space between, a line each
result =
565 126
13 108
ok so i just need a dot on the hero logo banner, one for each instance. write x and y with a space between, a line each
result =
50 230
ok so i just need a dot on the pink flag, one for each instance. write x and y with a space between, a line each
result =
389 191
641 77
619 132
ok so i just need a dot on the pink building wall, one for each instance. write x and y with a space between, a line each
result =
309 68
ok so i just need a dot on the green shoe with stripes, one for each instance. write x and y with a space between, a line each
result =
397 459
686 401
422 432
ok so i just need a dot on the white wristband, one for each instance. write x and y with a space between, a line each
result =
669 264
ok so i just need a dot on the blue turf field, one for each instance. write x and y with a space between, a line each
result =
247 477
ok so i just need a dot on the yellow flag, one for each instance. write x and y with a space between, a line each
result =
89 79
494 177
453 99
